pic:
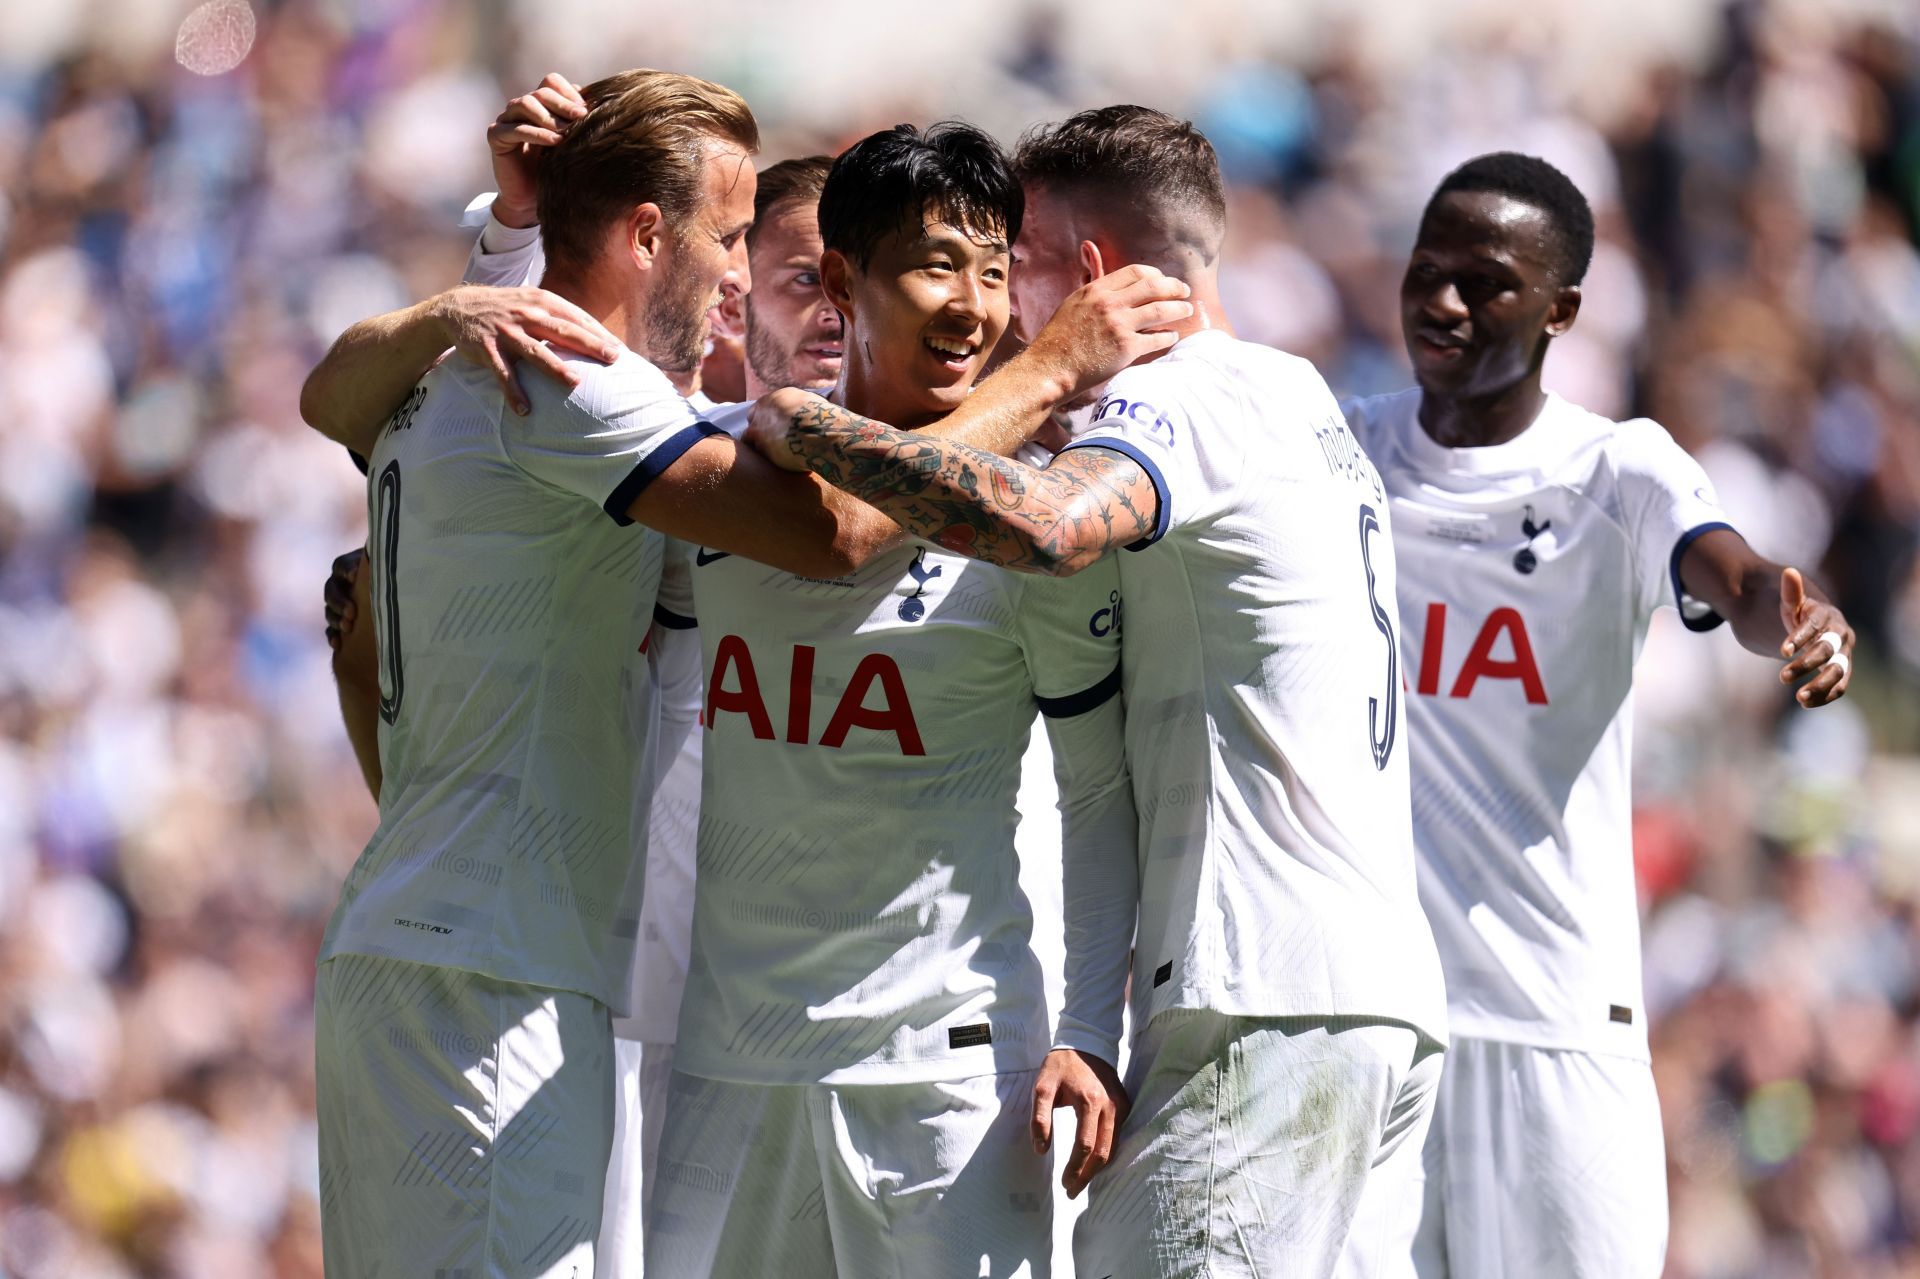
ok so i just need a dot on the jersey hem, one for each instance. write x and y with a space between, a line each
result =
544 979
966 1063
1317 1004
1470 1028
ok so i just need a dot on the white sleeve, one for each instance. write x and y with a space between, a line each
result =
505 255
1667 502
1146 417
1070 630
608 438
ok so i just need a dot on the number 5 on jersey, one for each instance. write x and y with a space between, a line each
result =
1380 726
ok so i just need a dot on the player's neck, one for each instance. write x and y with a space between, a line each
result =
623 316
685 381
1209 314
862 391
1478 422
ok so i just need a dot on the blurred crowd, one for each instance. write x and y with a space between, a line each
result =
190 211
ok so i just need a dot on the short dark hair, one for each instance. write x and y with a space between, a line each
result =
1531 181
798 179
1134 153
891 179
639 143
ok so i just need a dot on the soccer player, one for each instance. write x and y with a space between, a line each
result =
1286 995
793 338
863 1042
1536 540
467 975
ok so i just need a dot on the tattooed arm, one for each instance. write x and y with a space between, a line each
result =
1055 521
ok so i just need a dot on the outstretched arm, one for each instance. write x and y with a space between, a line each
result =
1057 521
1774 611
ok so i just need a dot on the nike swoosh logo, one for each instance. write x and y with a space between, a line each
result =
705 557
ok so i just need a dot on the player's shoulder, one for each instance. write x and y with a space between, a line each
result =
731 418
1377 418
1641 448
628 387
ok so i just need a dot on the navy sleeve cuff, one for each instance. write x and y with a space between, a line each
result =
664 616
1164 514
1083 701
1710 619
650 468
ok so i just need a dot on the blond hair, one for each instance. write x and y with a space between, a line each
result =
640 142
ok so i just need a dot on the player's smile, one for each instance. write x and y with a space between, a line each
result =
957 355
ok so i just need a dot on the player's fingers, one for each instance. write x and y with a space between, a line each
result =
1042 1129
576 338
569 323
1157 315
528 109
1151 286
1147 343
1799 634
563 109
547 361
567 88
1810 657
1820 690
503 373
508 137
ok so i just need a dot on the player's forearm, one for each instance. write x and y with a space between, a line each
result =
1723 572
369 371
360 712
1101 878
962 498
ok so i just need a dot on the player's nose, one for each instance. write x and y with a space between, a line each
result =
739 276
1444 303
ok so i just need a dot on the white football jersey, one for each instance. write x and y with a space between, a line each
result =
1263 696
858 916
510 600
668 810
1528 574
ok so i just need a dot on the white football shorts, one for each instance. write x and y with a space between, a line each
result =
1543 1161
1261 1147
641 1072
870 1181
465 1122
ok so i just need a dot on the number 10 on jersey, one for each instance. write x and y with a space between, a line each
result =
384 552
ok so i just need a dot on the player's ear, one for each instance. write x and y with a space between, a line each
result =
834 281
646 234
1566 305
1091 264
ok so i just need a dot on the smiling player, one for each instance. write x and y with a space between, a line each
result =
1536 540
862 1047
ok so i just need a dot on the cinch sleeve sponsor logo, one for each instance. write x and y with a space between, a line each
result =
1106 621
1113 408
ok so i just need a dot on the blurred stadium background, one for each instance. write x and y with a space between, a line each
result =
193 202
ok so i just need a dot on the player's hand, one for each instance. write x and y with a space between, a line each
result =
498 328
770 425
1806 618
1100 1104
530 122
356 655
341 594
1108 324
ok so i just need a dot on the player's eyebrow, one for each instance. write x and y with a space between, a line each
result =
946 235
